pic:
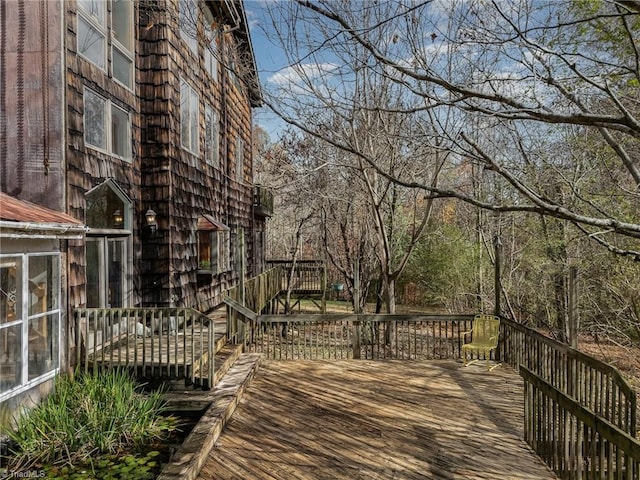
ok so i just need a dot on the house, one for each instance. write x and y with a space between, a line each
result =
133 120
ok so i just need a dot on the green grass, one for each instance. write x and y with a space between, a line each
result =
93 415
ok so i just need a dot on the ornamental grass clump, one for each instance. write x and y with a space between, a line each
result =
95 414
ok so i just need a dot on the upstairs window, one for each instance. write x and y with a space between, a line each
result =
212 137
92 32
107 127
94 36
189 116
210 47
122 41
239 159
188 19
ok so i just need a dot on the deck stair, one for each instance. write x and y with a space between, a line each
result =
234 371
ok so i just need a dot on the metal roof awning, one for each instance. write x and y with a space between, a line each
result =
22 219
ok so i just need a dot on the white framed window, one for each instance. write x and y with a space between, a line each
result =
93 37
189 117
29 320
122 41
239 154
92 32
211 46
212 137
188 20
107 127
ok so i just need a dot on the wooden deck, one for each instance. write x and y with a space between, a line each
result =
350 419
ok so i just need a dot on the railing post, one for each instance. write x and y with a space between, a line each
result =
356 339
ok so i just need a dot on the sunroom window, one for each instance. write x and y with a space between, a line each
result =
29 319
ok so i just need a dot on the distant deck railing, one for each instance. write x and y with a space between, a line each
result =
154 343
308 275
316 336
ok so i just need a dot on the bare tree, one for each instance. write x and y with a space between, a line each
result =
525 71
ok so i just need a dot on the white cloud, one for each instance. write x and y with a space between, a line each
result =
301 73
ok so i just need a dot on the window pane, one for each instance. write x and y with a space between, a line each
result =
185 138
43 284
189 24
122 68
10 303
94 8
214 253
10 357
91 42
121 17
204 250
120 141
43 345
117 278
239 159
94 120
195 121
211 136
93 273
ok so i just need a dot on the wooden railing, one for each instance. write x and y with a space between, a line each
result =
595 385
171 343
572 439
308 275
254 294
355 336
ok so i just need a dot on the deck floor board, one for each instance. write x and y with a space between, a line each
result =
351 419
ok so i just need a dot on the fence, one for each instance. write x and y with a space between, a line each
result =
595 385
172 343
308 275
317 336
573 440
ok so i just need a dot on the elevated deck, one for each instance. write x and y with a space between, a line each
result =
368 420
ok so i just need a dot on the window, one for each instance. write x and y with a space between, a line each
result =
188 18
211 141
29 319
213 245
107 127
122 41
189 116
239 159
93 36
210 47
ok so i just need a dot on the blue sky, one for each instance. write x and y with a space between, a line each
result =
269 58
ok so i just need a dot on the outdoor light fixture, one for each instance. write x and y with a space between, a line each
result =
118 218
150 217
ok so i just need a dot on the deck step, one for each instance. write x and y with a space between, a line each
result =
224 359
188 460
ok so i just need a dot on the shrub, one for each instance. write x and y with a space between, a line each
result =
96 414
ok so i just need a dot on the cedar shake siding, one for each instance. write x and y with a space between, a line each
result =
45 85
